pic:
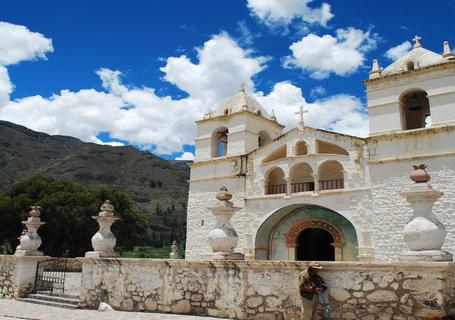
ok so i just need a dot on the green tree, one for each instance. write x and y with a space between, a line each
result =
67 209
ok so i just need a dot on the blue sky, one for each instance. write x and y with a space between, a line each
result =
141 72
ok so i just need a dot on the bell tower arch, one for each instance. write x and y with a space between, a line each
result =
416 91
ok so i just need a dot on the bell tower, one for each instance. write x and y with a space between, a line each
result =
414 92
237 126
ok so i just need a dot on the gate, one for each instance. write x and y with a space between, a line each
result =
50 275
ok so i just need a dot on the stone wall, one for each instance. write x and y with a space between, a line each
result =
7 266
267 289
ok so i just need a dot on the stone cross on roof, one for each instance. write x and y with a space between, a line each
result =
242 87
417 43
301 112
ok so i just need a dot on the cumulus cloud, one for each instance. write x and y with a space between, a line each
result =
186 156
18 44
281 13
320 56
142 117
340 113
398 51
139 115
223 64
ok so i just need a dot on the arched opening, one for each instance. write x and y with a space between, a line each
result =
220 142
315 244
415 110
331 175
301 148
276 154
263 138
276 183
301 178
226 111
410 65
277 237
329 148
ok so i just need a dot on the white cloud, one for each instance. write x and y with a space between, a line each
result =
398 51
223 64
340 113
318 91
19 44
281 13
186 156
321 56
6 87
138 115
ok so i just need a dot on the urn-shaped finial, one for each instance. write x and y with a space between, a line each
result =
419 175
107 209
223 194
35 211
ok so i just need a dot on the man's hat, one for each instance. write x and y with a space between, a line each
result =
314 265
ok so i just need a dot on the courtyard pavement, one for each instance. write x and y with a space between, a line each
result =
15 310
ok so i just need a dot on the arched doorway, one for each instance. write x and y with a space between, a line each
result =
315 244
277 237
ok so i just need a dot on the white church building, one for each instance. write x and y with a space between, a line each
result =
312 194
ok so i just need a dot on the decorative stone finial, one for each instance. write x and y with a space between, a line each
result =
273 118
375 70
424 234
103 242
223 238
174 254
447 53
35 211
242 87
416 40
223 194
107 209
419 175
30 240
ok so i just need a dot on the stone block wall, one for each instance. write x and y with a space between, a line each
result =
7 266
268 289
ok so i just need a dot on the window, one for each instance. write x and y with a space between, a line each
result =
263 138
219 142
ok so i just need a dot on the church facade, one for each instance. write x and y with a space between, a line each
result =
311 194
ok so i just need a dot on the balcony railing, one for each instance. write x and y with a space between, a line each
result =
305 186
275 189
302 187
331 184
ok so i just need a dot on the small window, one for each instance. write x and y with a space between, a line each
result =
410 65
226 111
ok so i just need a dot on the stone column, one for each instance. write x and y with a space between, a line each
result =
223 238
24 276
288 186
30 240
316 182
104 240
424 234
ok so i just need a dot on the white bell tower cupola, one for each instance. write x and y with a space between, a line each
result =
414 92
236 127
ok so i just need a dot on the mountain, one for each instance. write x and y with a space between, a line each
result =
157 186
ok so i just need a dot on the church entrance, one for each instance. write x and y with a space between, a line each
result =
315 244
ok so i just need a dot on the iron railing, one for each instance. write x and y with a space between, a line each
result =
275 189
50 275
302 187
331 184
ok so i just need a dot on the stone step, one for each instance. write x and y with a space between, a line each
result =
54 298
49 303
63 295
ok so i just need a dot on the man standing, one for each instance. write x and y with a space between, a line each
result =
310 285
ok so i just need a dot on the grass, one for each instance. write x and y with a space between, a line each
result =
153 253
